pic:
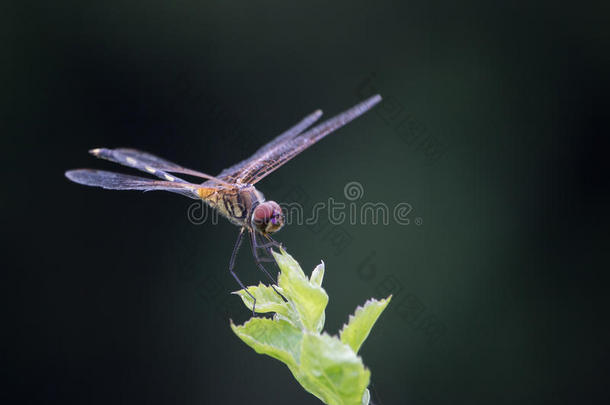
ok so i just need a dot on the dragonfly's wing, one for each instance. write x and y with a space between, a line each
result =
149 163
232 172
118 181
268 160
290 133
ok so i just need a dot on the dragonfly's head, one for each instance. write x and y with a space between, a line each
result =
267 217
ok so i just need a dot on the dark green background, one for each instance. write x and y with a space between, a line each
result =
493 128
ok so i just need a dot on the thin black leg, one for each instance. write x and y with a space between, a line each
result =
258 259
232 265
272 243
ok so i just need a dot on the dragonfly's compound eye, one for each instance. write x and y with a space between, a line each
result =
267 217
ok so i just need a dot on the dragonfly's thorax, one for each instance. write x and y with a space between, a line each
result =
236 204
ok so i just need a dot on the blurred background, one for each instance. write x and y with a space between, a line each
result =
492 129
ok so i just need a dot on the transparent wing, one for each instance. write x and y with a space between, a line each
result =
290 133
119 181
233 171
149 163
269 159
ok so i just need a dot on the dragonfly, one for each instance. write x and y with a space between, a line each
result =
232 192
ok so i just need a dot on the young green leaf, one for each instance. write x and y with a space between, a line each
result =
317 275
331 370
326 366
267 300
360 324
309 300
366 398
276 338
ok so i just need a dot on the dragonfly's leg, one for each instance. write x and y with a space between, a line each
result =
232 265
272 243
265 259
280 245
265 250
258 259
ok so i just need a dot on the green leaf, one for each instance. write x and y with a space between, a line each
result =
366 397
317 275
276 338
267 300
309 300
360 324
326 366
331 371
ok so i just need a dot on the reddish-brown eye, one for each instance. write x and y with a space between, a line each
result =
267 217
262 213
